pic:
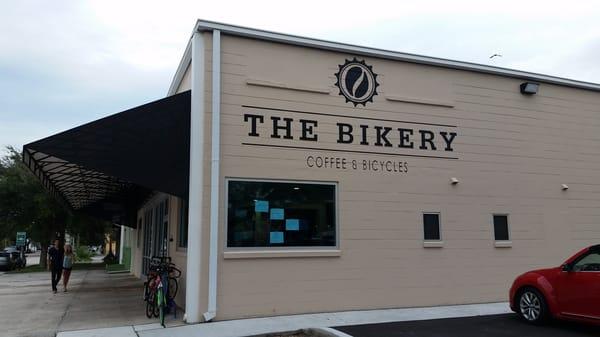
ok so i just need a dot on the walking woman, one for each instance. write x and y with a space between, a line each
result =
67 265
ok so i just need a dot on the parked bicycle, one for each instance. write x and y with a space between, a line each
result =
161 287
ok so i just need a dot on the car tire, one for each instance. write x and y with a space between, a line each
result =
531 306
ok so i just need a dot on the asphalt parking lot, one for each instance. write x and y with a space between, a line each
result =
480 326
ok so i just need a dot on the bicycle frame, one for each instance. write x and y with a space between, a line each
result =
156 288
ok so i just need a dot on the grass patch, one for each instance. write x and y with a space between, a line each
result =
77 266
29 269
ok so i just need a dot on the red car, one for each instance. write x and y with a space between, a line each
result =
571 291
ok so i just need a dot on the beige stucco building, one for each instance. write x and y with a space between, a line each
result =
330 177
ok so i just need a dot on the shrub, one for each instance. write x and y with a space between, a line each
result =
82 254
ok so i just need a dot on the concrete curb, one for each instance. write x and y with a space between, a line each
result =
316 332
326 332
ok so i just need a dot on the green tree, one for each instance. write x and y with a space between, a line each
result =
87 229
26 206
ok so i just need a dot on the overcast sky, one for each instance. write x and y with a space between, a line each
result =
64 63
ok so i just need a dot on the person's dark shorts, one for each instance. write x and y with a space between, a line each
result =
67 269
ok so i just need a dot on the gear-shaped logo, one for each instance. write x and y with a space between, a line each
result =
357 82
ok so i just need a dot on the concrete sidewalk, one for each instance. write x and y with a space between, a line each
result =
248 327
95 300
254 326
100 304
121 331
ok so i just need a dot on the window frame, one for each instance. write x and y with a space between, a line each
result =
439 214
138 237
180 209
226 247
580 258
508 229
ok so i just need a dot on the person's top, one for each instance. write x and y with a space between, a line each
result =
56 257
68 261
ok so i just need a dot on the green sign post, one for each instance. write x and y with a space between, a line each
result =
21 238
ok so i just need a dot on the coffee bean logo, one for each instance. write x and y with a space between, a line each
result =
357 82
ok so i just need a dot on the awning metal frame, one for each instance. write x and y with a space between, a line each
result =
108 166
80 188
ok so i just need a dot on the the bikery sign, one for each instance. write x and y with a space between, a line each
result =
392 141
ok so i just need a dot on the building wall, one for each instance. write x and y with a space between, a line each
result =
513 151
177 254
138 244
186 81
127 244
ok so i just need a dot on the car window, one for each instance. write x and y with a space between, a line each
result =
590 262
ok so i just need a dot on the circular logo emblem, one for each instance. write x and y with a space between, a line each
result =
357 82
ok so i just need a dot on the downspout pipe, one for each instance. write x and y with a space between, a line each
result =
214 176
193 313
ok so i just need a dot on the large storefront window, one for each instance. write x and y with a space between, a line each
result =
156 232
280 214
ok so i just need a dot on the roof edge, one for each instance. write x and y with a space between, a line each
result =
204 25
181 68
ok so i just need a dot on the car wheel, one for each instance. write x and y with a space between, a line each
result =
532 306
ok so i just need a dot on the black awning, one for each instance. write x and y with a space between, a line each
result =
105 166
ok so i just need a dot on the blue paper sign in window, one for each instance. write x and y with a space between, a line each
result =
261 206
292 224
276 237
277 214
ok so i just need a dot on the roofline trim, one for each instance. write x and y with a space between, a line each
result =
204 25
185 62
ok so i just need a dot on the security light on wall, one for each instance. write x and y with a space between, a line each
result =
564 187
529 88
453 180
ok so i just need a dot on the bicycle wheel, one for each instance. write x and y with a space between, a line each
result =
150 307
172 289
146 291
156 311
174 271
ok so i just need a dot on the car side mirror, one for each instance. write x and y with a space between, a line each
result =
566 267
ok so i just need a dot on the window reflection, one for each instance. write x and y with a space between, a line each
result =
280 214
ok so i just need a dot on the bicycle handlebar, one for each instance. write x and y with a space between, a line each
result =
161 258
158 263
